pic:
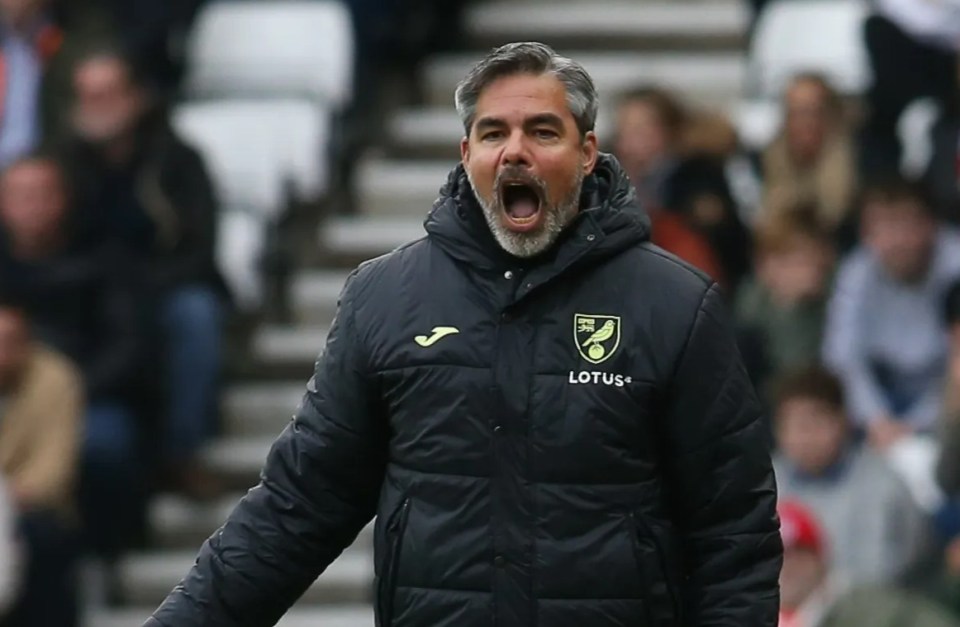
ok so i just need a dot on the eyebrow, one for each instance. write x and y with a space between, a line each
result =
550 119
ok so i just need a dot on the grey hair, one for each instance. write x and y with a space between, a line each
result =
529 58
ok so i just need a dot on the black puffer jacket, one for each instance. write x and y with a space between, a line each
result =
517 483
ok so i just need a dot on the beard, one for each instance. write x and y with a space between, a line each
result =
556 217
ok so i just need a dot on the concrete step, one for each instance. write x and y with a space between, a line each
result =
178 522
315 294
149 577
349 240
294 347
431 132
610 24
261 409
238 459
300 616
400 187
710 79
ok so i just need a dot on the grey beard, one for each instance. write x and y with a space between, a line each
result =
525 245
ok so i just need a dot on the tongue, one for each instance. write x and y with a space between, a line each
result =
522 208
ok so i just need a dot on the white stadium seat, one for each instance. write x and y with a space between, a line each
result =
794 36
257 153
273 48
260 149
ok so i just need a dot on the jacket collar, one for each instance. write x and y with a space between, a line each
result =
610 221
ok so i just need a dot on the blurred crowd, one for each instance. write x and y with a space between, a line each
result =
843 278
113 313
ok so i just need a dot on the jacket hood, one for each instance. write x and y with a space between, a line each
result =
610 220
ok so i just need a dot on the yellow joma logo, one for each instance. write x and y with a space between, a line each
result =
437 334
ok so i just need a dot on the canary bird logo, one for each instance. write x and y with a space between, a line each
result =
597 337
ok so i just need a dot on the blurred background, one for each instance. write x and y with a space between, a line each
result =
186 184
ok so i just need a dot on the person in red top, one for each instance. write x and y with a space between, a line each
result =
812 596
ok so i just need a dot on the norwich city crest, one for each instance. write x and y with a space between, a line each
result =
597 337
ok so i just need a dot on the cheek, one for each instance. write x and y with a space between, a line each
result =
561 173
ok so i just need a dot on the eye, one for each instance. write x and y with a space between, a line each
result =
545 133
491 136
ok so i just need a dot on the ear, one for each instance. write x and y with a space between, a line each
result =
465 150
591 152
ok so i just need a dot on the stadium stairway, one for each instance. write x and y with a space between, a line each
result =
694 47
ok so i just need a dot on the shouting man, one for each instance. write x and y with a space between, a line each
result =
547 414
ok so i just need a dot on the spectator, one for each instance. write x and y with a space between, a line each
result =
28 43
813 595
153 31
875 528
781 310
10 553
43 403
681 186
139 186
912 48
885 333
811 162
80 303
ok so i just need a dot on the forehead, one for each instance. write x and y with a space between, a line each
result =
519 96
806 91
899 210
100 70
29 171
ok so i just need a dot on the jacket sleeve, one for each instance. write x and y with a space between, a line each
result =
720 481
318 489
48 477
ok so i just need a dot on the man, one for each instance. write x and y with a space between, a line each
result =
83 304
885 334
139 186
42 403
547 413
814 596
876 529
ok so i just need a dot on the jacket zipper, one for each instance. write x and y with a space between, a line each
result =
388 584
640 524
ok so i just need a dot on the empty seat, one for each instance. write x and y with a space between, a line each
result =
272 48
260 154
794 36
258 150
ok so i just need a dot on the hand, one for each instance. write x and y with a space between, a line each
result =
885 432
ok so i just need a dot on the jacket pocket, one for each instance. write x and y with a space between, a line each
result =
662 604
387 583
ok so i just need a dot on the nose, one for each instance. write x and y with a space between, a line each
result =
515 151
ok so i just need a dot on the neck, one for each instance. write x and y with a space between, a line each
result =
40 248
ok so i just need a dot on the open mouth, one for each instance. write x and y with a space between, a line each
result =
521 205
